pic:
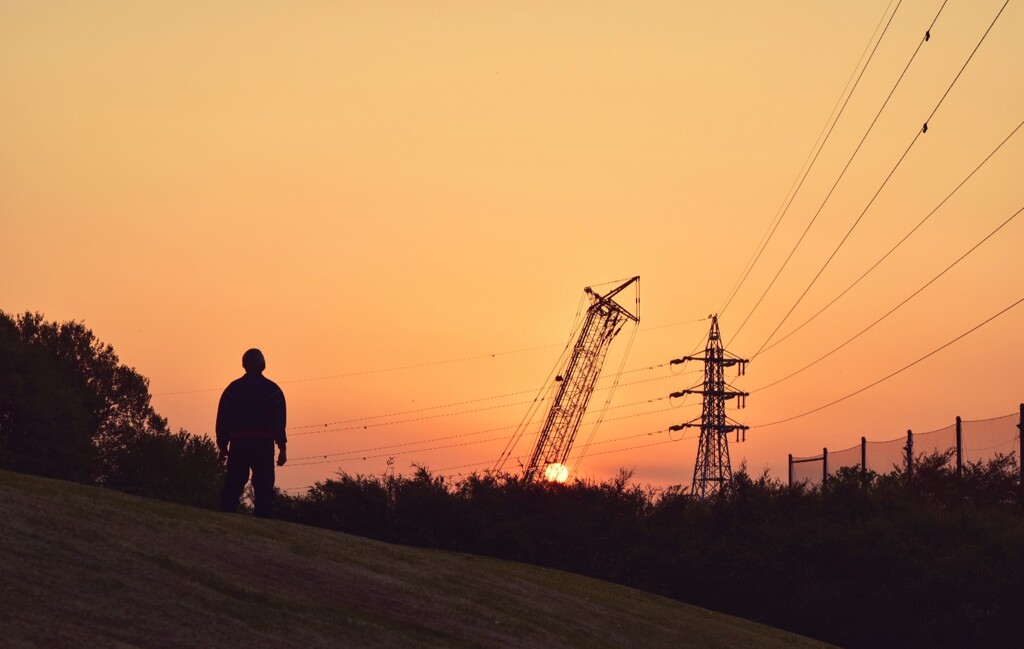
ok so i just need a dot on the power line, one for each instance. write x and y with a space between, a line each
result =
459 435
445 446
815 151
456 403
898 306
964 66
891 172
398 368
898 244
417 410
382 370
450 414
842 173
902 369
611 452
483 465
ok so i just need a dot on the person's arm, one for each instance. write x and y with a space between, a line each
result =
280 426
223 424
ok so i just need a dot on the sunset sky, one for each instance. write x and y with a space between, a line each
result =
401 203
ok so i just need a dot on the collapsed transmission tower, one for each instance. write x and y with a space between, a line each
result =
713 470
604 320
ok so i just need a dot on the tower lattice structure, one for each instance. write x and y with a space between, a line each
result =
713 469
604 320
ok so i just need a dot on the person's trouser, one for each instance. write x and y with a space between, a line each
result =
245 455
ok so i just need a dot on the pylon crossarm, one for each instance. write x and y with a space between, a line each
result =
679 427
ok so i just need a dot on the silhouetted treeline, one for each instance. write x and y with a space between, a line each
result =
69 409
864 561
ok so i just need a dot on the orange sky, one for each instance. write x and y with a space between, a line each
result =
360 186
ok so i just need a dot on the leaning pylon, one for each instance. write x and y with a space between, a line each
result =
604 320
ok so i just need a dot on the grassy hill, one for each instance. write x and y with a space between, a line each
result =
82 566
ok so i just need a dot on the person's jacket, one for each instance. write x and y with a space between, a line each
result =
251 407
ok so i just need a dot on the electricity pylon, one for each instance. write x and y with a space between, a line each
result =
604 320
713 470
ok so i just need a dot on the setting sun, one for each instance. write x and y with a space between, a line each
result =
556 472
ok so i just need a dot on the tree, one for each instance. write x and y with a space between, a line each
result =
45 424
116 396
180 467
70 409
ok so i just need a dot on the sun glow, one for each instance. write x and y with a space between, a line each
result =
556 472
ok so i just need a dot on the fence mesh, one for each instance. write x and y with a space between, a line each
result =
848 457
807 469
984 438
942 440
981 441
886 457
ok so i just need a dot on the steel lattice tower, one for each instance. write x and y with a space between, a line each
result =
604 320
713 470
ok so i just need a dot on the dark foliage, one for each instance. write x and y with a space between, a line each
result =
179 467
69 409
865 561
46 426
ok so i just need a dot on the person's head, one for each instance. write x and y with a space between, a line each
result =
253 361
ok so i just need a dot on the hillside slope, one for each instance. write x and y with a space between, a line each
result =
83 566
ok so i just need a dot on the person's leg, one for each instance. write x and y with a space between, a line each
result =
263 478
235 477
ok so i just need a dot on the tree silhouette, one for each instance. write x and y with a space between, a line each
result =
70 409
45 423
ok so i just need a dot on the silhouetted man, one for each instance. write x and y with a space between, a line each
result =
250 420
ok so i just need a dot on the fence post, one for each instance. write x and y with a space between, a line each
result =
864 457
790 469
910 455
1020 455
824 466
959 448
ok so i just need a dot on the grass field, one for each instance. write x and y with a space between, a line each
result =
83 566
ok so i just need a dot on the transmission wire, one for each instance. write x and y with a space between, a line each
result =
815 151
898 244
902 369
445 446
454 436
842 173
898 306
920 132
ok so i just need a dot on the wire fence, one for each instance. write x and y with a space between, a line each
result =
966 441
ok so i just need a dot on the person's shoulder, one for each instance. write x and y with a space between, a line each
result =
276 387
235 385
270 385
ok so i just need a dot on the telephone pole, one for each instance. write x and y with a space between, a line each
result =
713 470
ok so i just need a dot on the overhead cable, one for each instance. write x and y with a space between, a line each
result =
816 150
889 376
454 436
897 307
417 365
442 447
898 243
919 133
842 173
453 404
